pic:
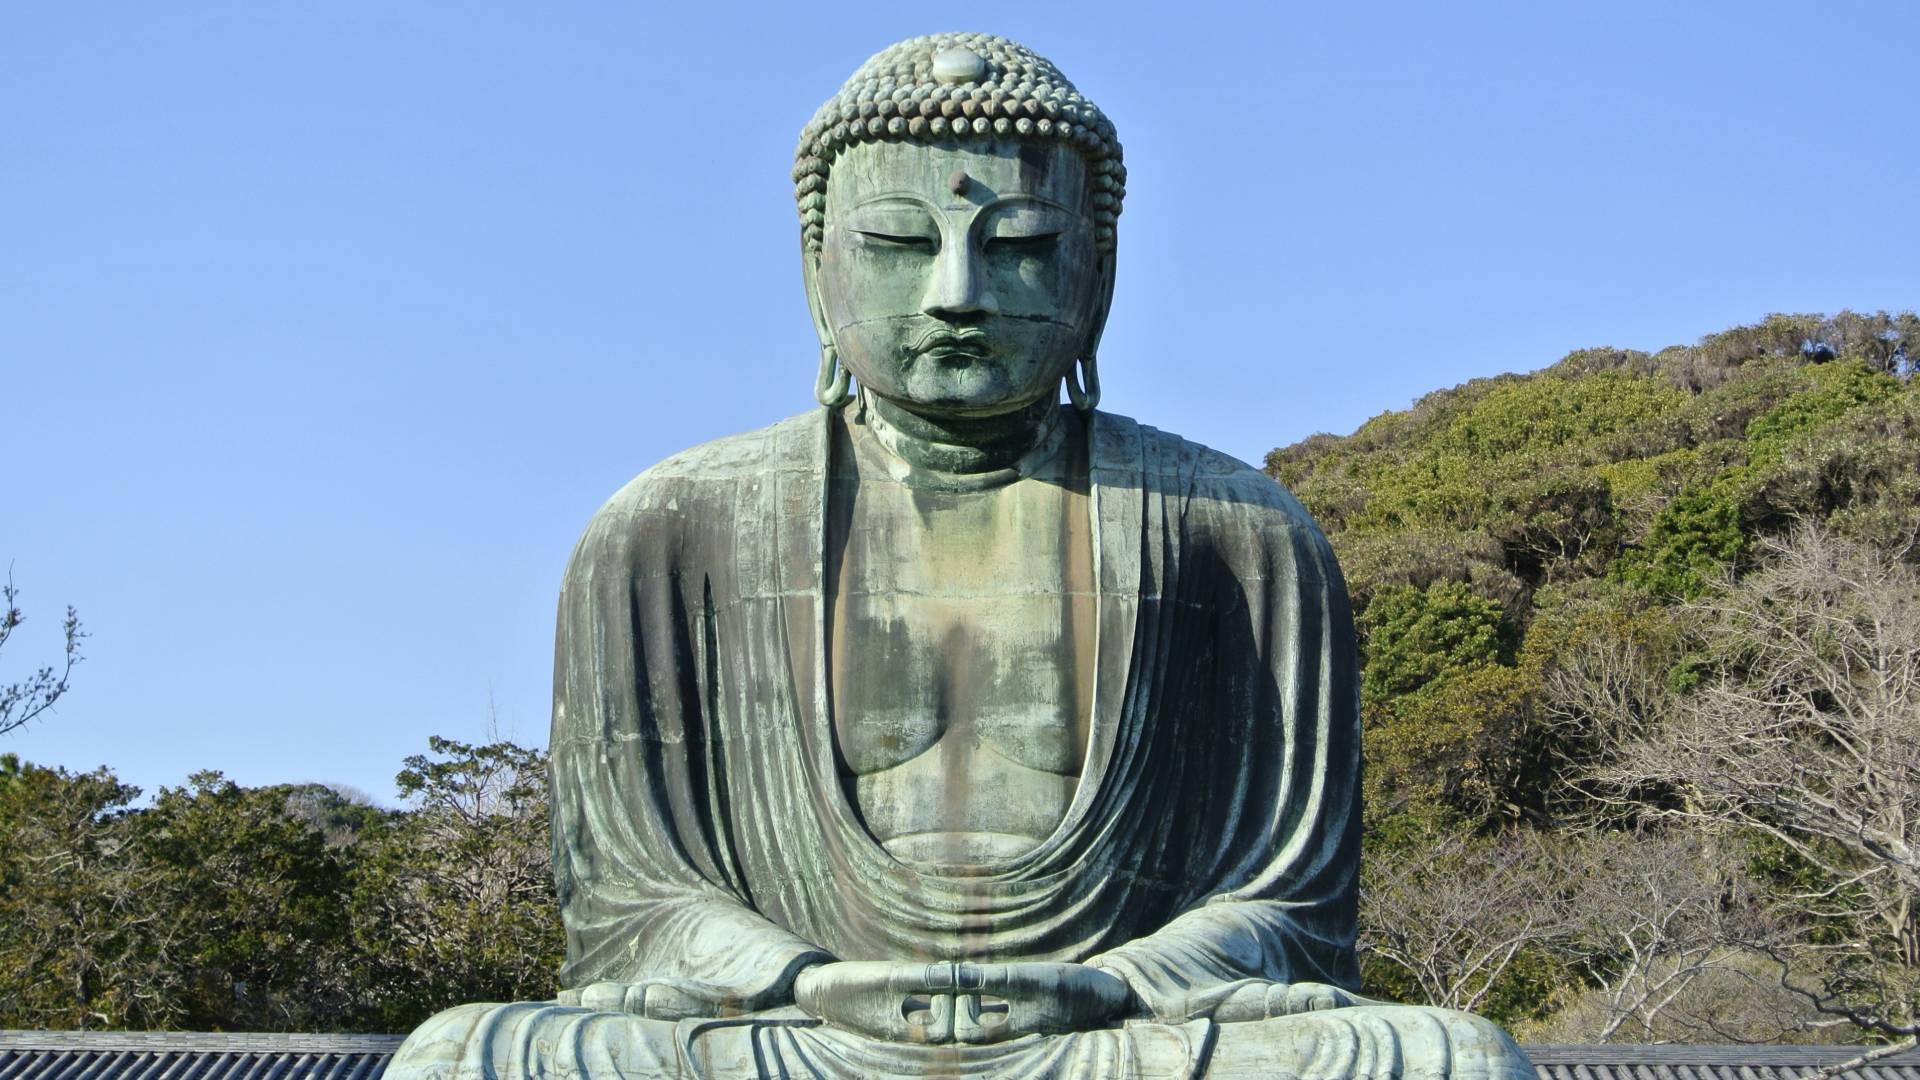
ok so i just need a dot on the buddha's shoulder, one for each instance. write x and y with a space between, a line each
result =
705 482
1218 485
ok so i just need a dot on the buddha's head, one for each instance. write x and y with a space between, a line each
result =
957 200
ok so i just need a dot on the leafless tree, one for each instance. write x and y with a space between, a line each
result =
1456 912
21 702
1803 729
1657 925
1667 927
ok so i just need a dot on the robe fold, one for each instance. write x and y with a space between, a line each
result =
703 835
701 828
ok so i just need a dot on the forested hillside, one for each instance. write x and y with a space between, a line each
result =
1638 635
1641 687
217 907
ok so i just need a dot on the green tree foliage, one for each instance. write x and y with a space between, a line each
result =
82 942
1438 703
288 908
258 929
1698 534
454 899
1526 551
1416 635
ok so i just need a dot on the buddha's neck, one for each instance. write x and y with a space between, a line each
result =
975 450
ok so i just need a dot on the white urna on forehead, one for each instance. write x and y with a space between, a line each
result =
959 90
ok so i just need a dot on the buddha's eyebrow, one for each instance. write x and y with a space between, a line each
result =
1014 197
894 196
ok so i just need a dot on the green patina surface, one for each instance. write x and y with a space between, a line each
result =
948 729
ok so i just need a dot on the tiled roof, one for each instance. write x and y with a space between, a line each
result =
1636 1061
175 1055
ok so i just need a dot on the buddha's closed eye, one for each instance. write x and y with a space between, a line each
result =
1034 243
898 240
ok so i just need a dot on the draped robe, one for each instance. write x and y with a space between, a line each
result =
703 837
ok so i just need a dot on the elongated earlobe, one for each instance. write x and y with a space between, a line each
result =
1083 384
832 387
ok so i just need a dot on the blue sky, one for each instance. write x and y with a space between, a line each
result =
324 327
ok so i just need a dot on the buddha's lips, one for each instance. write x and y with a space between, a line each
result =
945 342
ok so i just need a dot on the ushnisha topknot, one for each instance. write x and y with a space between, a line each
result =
951 88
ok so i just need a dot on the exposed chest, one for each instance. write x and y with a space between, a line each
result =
962 621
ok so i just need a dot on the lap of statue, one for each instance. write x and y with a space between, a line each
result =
1363 1041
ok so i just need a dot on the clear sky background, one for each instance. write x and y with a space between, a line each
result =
324 327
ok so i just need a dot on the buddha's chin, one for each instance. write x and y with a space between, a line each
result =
957 387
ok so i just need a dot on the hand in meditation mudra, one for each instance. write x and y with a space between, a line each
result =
947 729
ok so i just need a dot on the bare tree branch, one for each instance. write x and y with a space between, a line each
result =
1860 1060
23 701
1805 731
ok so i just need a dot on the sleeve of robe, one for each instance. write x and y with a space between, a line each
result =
645 891
1285 911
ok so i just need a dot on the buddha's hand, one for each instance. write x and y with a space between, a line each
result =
1261 1000
656 999
959 1002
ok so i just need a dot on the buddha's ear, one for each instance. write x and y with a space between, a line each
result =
831 387
810 273
1102 302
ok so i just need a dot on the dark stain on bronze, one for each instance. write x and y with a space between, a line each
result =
1036 164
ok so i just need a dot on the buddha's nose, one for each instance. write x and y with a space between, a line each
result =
958 292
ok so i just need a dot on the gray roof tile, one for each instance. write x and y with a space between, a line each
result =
185 1055
176 1055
